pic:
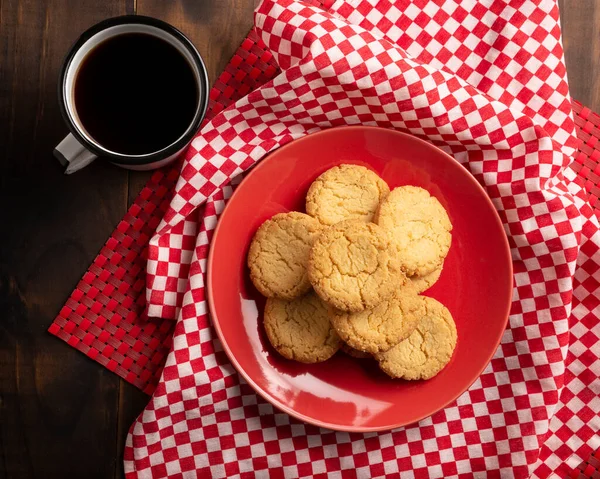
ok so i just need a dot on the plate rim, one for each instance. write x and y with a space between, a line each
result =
275 402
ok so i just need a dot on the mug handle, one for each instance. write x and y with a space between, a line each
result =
72 155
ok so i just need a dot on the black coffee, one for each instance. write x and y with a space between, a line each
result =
135 94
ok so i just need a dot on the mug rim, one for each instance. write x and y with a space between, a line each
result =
192 129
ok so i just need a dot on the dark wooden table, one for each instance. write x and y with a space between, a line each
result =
61 414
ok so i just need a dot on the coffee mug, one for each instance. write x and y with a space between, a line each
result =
133 90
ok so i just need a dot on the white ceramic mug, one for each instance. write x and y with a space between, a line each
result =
79 149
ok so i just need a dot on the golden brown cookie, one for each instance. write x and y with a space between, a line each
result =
419 226
278 255
427 350
345 192
423 283
354 353
300 329
379 329
353 267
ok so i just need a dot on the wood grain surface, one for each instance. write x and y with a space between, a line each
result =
61 414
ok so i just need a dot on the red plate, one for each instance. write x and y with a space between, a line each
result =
345 393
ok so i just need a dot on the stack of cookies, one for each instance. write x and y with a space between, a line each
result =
349 273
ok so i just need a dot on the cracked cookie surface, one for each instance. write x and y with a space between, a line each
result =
353 267
300 329
381 328
345 192
427 350
419 226
278 255
423 283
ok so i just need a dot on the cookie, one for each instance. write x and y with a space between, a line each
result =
427 350
381 328
300 329
353 267
423 283
419 226
278 255
354 353
345 192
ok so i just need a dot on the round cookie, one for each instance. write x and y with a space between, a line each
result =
381 328
278 255
427 350
300 329
353 267
354 353
345 192
419 226
423 283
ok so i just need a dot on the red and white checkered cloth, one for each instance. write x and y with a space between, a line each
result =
486 82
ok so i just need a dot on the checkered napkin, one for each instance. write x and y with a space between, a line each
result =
486 82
